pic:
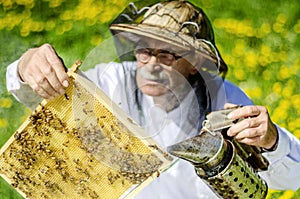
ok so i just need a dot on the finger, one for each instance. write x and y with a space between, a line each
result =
41 86
60 70
243 125
39 83
49 80
44 76
44 94
247 133
49 64
40 91
246 111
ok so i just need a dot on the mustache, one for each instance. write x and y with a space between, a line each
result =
159 76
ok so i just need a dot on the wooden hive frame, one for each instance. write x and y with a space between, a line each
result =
80 145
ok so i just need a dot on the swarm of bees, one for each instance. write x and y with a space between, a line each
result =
75 147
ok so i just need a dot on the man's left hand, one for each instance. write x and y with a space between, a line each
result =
256 128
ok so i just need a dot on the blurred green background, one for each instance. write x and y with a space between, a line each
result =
259 40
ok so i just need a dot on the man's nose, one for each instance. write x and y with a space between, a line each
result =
153 65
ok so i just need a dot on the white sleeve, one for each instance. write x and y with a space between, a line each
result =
283 172
20 90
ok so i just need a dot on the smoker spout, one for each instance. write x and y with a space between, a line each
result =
205 149
188 150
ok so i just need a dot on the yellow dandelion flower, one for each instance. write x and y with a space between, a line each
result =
270 192
291 83
277 88
25 2
218 23
5 102
294 124
283 55
67 15
297 27
265 50
284 72
119 2
281 18
267 75
37 26
229 59
67 26
294 70
96 40
279 114
274 118
93 12
278 27
2 23
251 59
263 60
55 3
255 92
25 31
3 122
239 48
245 28
49 25
264 29
287 194
295 99
285 104
107 15
11 20
274 57
7 4
239 74
296 133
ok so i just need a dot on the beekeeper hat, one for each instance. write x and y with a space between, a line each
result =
174 22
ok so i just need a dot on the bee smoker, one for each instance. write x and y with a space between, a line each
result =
228 167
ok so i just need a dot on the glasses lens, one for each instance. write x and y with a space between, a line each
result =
165 58
143 55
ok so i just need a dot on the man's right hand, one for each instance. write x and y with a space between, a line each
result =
44 71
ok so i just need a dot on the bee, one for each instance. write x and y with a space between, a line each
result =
19 176
126 147
157 173
66 96
76 161
155 147
93 194
78 169
65 144
17 135
85 111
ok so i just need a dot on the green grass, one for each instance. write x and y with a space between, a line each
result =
258 39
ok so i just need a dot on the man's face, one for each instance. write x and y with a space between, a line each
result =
161 69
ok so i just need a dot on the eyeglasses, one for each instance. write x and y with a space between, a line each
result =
163 56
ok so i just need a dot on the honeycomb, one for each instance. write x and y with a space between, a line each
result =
80 145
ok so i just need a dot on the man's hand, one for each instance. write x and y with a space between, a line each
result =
256 128
44 71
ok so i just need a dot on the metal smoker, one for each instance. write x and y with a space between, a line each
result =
229 168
